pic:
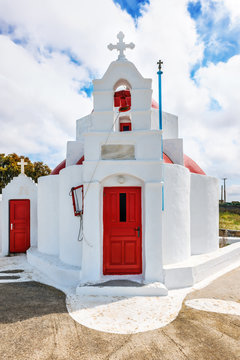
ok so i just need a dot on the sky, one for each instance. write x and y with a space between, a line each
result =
51 50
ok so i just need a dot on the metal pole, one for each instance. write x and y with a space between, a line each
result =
224 189
221 193
160 91
160 120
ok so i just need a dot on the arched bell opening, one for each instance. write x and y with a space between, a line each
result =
122 104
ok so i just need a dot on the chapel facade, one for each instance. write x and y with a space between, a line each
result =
126 202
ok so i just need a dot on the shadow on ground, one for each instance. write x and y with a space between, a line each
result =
24 300
34 324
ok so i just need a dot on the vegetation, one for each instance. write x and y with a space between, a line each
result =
229 220
9 169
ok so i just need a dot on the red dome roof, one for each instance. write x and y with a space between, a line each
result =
59 167
62 165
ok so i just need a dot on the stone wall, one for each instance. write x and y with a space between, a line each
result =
229 233
232 208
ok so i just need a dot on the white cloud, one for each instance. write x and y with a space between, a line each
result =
223 130
233 192
234 9
41 102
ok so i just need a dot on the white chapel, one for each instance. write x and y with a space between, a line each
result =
126 204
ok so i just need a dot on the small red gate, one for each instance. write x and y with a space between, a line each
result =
122 231
19 226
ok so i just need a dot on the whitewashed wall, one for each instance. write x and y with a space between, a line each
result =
176 215
204 214
70 248
170 124
173 148
147 144
74 152
21 187
48 214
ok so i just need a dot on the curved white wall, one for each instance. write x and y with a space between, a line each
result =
176 215
48 214
204 214
70 250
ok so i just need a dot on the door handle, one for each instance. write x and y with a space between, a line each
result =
11 226
138 230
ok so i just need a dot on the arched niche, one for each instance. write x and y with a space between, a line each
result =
122 179
125 123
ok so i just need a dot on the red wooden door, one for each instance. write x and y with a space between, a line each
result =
19 223
122 231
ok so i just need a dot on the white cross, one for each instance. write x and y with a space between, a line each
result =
121 46
22 163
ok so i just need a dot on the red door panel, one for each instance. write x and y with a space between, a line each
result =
19 225
122 231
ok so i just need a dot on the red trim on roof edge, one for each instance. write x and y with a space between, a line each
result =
192 166
80 161
58 168
166 159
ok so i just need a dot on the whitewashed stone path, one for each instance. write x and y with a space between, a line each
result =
125 315
215 305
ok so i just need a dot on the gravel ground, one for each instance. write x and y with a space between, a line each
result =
34 324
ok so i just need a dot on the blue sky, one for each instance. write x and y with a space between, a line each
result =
133 7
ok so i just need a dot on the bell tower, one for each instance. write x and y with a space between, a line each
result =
122 87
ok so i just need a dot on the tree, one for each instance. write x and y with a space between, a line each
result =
9 169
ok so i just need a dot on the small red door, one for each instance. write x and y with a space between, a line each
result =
19 225
122 231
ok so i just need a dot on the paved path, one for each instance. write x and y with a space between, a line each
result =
35 325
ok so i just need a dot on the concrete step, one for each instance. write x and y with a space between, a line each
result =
200 267
53 268
122 288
